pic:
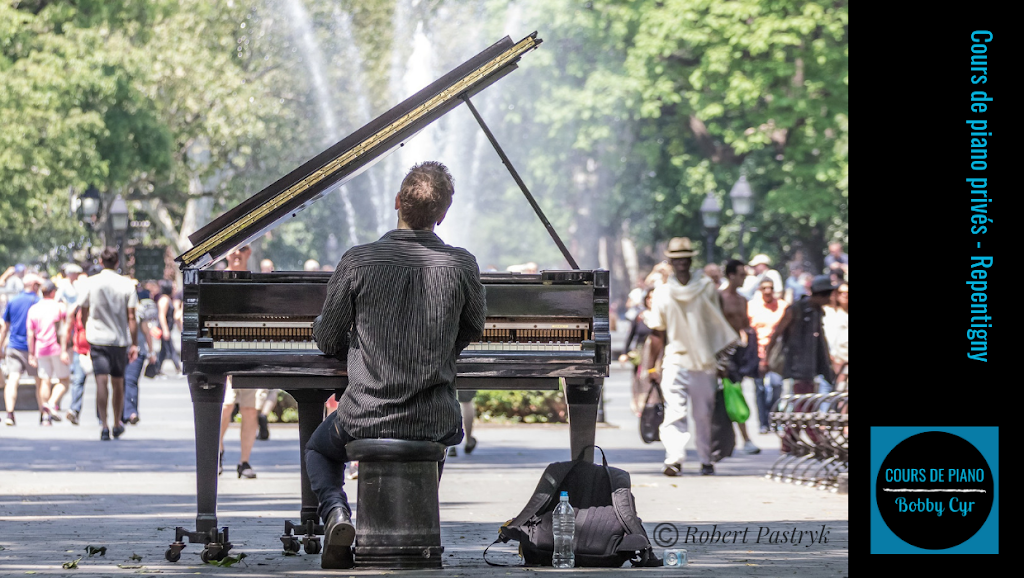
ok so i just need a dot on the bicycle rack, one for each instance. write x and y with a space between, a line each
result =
813 428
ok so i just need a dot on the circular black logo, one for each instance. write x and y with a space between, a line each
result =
934 490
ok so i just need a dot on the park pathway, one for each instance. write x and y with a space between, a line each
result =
63 491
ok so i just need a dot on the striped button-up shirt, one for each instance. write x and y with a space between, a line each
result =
402 308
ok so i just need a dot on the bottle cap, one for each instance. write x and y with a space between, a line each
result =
565 494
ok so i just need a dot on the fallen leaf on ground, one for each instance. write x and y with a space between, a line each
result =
135 557
130 566
229 561
91 550
70 565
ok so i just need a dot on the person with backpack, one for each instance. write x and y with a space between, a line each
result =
801 335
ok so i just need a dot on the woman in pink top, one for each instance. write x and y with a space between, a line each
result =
45 354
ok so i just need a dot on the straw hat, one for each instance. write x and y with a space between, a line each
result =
679 247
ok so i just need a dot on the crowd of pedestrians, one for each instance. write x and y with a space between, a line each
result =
84 321
690 329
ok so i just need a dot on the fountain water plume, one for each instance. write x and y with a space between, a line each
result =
429 39
314 59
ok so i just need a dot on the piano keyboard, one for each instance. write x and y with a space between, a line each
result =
499 346
268 345
310 346
500 334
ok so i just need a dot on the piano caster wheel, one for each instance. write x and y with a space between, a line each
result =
173 554
291 544
312 545
215 554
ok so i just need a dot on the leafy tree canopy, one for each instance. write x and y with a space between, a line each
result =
621 123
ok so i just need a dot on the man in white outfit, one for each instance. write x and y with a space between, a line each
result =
689 330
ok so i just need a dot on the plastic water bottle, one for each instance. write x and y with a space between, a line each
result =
563 524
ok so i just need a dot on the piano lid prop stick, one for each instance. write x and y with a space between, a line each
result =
522 185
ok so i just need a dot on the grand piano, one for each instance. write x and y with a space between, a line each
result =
542 330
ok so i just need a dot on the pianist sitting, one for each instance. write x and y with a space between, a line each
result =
400 309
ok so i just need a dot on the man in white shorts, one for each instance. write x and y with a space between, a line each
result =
246 400
44 352
238 260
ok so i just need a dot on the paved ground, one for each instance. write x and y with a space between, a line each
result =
62 490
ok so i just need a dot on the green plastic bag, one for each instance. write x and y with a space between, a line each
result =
735 405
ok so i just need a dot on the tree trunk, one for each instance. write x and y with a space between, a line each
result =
816 249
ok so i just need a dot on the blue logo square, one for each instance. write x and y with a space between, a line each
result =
985 440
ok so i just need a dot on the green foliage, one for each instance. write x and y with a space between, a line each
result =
521 406
657 103
624 119
753 85
290 415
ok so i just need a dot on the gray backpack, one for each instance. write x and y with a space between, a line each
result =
608 530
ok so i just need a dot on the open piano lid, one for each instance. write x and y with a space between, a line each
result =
352 155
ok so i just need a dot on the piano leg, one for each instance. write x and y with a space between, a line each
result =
582 397
311 415
206 407
207 401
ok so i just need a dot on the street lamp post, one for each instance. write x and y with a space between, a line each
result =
89 202
742 205
119 223
709 211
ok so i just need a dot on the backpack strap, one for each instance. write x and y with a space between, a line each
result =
604 463
489 547
604 460
553 476
636 540
622 499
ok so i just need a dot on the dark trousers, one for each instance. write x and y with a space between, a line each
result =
167 351
325 464
131 386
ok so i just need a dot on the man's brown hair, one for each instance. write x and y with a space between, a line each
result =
109 258
426 194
